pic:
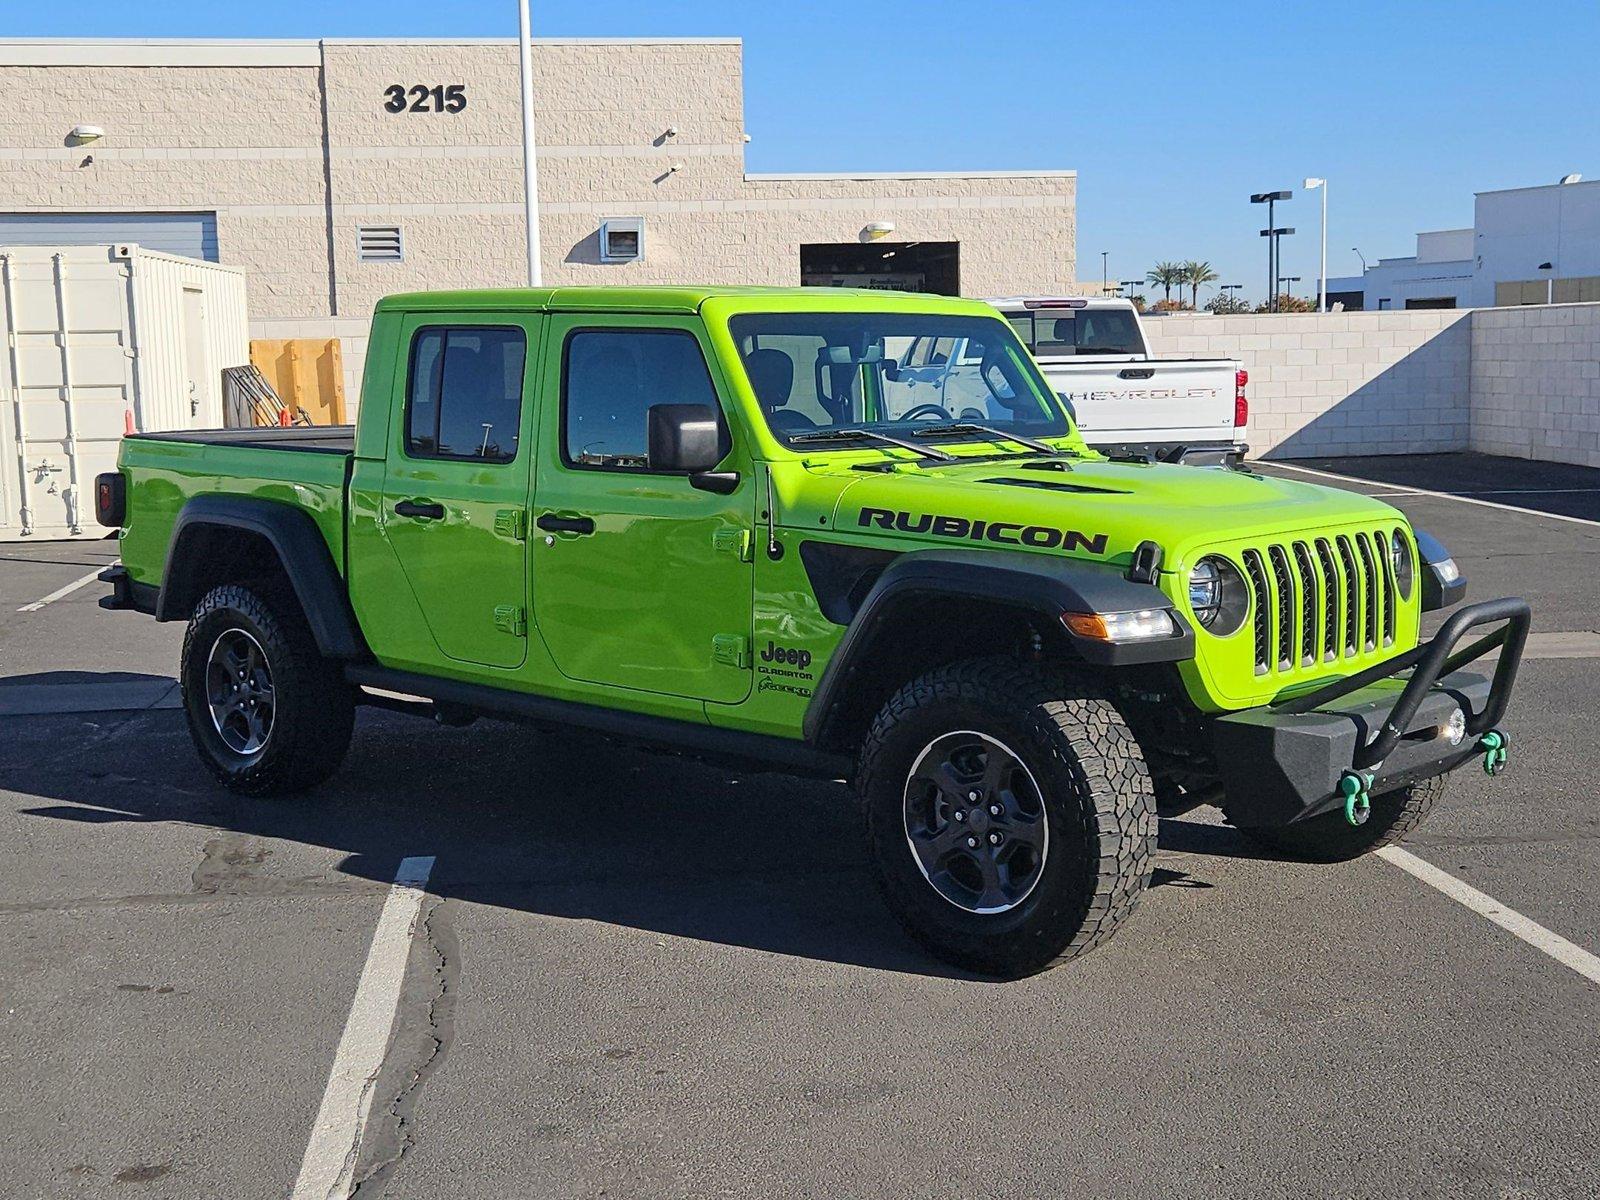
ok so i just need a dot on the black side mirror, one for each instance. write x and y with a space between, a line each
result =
689 438
684 437
1066 403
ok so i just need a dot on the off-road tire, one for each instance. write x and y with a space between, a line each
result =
1331 838
1097 799
313 706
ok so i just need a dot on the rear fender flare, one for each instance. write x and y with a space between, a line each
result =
300 549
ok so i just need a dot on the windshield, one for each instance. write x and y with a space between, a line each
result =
1052 332
892 373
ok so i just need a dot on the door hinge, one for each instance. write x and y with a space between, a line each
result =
512 619
512 523
731 649
737 542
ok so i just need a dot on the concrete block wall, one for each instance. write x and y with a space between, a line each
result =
1536 382
1340 383
291 145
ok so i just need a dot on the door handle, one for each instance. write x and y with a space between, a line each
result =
1136 373
554 523
426 509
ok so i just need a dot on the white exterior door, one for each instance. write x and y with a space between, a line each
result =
197 370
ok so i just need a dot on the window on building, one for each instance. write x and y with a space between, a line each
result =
464 396
610 380
1431 302
1583 289
1509 293
1577 289
379 243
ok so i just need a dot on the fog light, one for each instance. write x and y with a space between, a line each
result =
1456 727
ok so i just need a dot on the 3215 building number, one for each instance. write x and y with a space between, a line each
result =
420 98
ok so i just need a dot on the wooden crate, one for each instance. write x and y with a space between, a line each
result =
308 373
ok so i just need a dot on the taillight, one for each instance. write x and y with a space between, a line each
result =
1241 404
110 499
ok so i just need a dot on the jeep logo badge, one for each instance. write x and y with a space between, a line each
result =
775 653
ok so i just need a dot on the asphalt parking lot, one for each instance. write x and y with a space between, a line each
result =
637 976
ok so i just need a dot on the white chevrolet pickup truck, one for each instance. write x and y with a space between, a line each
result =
1093 352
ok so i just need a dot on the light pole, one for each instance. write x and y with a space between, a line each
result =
530 165
1274 257
1322 275
1549 282
1357 252
1271 234
1230 287
1105 270
1286 280
1130 284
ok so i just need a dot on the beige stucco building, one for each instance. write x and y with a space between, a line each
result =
286 158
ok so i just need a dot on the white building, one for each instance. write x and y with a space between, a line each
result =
1532 245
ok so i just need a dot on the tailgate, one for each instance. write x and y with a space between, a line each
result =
1153 400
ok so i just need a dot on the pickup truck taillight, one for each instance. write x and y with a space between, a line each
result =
1241 404
110 499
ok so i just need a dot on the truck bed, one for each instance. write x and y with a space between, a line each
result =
304 466
322 439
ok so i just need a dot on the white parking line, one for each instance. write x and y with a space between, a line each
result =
1487 907
60 592
328 1166
1513 508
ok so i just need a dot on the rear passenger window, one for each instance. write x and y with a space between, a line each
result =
464 398
612 377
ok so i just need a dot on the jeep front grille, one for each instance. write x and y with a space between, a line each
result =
1320 600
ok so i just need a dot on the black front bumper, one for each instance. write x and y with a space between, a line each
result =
1283 763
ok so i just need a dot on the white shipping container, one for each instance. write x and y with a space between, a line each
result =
95 340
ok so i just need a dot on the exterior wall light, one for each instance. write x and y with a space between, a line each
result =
876 230
86 133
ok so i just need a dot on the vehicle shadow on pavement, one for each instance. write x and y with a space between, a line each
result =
554 824
557 825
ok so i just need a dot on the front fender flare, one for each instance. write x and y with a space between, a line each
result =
1036 583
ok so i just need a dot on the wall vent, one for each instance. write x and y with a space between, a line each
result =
622 239
379 243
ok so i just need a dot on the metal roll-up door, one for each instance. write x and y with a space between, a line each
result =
192 235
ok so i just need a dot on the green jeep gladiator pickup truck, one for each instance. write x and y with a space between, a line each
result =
730 522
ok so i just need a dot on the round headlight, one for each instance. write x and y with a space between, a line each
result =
1218 595
1405 564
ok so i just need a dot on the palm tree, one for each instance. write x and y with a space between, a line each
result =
1195 274
1166 275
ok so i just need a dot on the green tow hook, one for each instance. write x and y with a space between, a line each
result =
1494 745
1356 790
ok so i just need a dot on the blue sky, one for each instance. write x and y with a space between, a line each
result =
1172 113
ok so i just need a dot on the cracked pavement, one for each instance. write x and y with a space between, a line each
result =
710 1000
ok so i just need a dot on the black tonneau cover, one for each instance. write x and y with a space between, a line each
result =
322 439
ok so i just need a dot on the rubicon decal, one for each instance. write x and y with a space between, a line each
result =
1010 533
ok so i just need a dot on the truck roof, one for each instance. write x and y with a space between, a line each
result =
663 299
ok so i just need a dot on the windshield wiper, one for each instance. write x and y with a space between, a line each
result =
870 435
990 431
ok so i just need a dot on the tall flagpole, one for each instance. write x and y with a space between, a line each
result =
530 162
